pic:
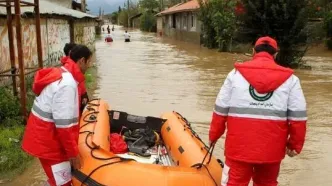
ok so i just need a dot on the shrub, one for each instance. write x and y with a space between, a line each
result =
328 29
9 108
148 22
218 23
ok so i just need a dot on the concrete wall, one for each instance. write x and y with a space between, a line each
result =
193 37
85 33
186 26
160 24
29 43
55 33
58 34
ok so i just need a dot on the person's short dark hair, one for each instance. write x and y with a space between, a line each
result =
80 51
265 48
68 48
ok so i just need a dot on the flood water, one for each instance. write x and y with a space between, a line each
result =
150 75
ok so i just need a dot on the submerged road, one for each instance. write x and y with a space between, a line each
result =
150 75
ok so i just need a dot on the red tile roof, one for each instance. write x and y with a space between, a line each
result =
181 7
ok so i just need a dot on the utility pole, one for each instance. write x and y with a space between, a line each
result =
128 13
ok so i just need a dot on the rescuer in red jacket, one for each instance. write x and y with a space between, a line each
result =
108 38
264 108
67 63
52 130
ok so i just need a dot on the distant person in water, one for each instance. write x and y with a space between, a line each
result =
108 29
127 36
113 28
108 38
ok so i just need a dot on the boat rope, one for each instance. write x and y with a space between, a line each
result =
92 120
210 153
211 148
210 175
200 165
188 126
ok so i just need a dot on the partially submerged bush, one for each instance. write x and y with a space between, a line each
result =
148 22
328 29
218 23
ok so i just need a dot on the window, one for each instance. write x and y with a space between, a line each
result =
178 21
193 20
184 21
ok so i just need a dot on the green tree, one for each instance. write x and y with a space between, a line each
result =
148 22
149 4
114 17
123 18
218 23
284 20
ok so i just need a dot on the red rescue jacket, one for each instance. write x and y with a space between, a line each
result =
52 129
72 67
264 108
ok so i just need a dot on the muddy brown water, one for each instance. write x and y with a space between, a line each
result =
151 75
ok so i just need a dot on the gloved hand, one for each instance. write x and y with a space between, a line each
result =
84 101
291 153
76 162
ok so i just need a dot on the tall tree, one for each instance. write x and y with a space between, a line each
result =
149 4
284 20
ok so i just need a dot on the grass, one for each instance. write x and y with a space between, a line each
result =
91 79
12 159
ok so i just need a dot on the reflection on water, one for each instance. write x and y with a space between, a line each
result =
151 75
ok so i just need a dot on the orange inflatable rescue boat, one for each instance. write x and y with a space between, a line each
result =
174 155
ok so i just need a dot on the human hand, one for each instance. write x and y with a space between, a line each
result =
291 153
211 143
76 162
84 101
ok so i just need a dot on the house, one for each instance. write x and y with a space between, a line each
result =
180 22
59 24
